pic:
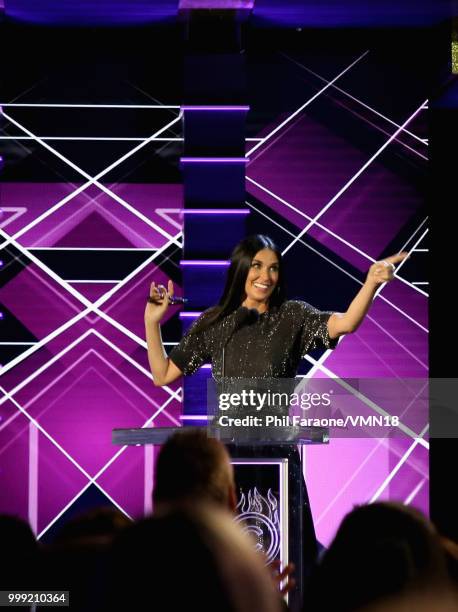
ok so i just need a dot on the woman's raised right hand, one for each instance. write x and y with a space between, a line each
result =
154 312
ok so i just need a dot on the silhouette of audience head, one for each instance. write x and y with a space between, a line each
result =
19 551
380 550
77 558
96 525
189 559
192 467
444 600
16 536
451 555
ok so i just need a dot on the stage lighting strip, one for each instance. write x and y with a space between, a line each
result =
216 211
92 106
215 108
214 160
106 138
400 463
329 83
37 220
92 480
93 138
204 262
408 500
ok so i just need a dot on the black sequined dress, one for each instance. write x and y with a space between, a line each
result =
271 347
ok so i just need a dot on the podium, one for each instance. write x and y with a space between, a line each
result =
273 502
138 436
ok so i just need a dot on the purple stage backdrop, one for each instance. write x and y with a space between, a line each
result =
79 367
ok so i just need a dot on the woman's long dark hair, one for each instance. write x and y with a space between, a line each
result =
234 290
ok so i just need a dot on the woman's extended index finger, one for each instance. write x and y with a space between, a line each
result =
394 259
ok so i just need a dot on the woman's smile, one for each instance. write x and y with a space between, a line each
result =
262 278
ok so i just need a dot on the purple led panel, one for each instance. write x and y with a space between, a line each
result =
204 262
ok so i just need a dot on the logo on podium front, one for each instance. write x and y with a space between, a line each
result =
258 516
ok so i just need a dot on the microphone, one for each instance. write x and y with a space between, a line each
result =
245 316
253 315
174 299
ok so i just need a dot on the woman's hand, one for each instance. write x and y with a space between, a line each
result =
383 271
380 272
155 311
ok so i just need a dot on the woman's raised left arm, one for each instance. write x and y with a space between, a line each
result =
380 272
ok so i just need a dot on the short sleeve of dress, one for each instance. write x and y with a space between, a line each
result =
193 349
314 328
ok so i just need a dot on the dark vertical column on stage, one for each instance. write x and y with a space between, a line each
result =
213 166
444 223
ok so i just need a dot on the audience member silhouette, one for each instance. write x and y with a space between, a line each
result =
380 551
19 552
189 559
193 467
77 559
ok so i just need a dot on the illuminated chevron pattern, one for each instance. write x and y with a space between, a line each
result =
75 361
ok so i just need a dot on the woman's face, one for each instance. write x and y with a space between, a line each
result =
262 278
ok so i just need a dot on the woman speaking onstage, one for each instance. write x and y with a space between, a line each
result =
268 345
